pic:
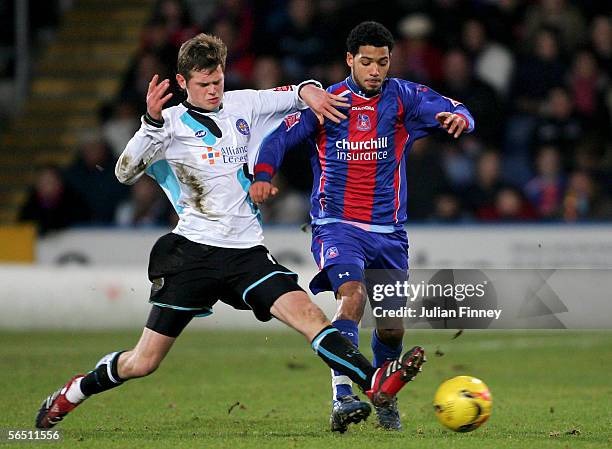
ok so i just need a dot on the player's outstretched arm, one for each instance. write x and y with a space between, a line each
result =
323 103
428 111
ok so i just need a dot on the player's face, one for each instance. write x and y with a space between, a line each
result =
204 88
369 67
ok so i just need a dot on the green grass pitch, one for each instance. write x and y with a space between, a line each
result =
266 389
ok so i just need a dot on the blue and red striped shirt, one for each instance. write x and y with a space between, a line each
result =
359 164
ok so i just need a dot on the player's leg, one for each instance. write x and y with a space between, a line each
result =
115 368
347 407
389 266
295 309
177 296
381 385
341 259
271 290
387 345
350 302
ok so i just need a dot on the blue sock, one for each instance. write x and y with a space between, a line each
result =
382 352
341 384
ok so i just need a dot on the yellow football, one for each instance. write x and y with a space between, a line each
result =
463 403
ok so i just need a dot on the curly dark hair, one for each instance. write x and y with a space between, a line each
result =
369 33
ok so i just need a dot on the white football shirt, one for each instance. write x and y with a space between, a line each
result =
203 168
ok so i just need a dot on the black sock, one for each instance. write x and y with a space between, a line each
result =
103 377
340 354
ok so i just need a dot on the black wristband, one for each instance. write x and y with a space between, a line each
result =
153 122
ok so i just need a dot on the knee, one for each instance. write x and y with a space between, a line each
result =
141 366
391 337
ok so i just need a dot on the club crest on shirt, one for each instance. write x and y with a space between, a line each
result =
363 122
242 126
331 252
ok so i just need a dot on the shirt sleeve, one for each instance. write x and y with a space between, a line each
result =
147 146
295 129
268 108
423 103
269 105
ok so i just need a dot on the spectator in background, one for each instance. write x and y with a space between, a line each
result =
538 72
559 15
240 60
240 14
447 209
458 159
509 206
590 157
332 72
545 191
174 15
601 42
584 200
119 128
92 176
460 84
267 73
502 18
417 58
493 63
298 39
588 87
51 204
136 82
155 39
481 194
424 179
558 125
541 70
448 15
146 206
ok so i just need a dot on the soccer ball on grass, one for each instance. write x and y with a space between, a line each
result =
463 403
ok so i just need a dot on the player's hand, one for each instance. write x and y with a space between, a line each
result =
453 123
324 104
260 191
156 98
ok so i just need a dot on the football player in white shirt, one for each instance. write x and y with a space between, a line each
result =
199 153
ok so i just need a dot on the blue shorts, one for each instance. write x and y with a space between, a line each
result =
343 252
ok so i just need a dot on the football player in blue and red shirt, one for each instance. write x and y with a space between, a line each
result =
358 202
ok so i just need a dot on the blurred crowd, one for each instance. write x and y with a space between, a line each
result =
536 75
